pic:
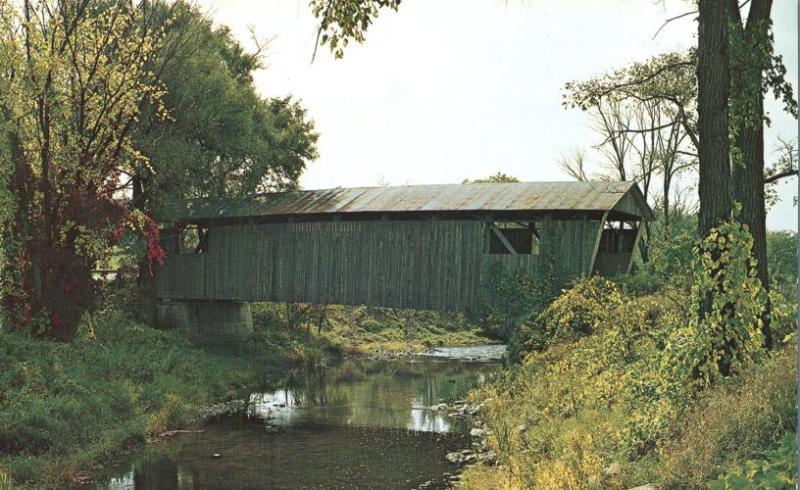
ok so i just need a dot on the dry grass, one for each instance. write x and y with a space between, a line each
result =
733 423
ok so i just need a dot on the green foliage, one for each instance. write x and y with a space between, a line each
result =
359 330
731 423
782 257
755 70
64 405
670 259
341 21
777 470
498 178
507 300
729 336
234 142
73 82
580 310
618 373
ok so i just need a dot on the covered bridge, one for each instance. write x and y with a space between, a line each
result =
417 246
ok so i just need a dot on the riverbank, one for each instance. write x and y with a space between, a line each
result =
375 332
598 403
68 408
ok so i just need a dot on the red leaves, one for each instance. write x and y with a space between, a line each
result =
154 254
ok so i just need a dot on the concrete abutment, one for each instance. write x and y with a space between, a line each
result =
207 321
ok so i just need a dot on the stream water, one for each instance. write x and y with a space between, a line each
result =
357 423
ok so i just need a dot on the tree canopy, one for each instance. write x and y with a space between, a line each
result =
103 101
221 138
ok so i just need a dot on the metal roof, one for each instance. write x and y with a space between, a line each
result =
521 196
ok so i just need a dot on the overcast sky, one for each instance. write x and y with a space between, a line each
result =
451 89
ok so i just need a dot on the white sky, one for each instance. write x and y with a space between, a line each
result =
451 89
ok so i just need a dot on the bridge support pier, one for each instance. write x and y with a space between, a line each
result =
207 321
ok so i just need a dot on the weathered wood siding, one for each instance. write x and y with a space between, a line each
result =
566 246
422 264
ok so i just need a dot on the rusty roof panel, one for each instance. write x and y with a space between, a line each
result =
522 196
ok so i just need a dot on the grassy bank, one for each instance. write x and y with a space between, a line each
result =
729 432
66 408
611 399
371 331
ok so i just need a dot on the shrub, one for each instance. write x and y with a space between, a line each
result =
782 259
778 470
670 259
508 299
580 310
616 373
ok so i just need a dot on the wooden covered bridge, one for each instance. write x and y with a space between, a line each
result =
418 247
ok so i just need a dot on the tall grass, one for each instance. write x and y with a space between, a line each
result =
66 405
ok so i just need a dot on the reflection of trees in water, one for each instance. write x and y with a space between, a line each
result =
377 393
156 473
355 392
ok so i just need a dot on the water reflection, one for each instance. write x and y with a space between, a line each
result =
355 424
370 393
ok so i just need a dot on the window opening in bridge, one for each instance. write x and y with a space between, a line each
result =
513 237
193 240
617 237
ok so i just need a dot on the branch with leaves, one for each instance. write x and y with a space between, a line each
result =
342 21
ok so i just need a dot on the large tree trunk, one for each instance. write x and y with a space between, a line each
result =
713 84
748 191
748 168
712 105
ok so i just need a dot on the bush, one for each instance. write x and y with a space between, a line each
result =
578 311
670 259
778 470
782 258
507 300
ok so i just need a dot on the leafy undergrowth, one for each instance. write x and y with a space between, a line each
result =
732 423
560 422
625 389
776 470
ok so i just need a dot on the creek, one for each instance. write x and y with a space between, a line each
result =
356 423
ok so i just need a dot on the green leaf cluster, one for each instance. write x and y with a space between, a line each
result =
777 470
341 21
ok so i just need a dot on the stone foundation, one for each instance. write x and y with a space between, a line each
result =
207 321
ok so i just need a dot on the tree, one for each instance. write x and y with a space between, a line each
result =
498 178
713 83
222 138
73 78
754 69
642 114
